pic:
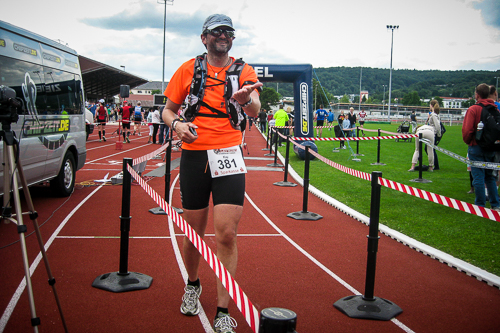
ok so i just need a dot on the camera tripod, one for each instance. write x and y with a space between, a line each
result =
12 171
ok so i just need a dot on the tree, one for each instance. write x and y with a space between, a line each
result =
440 100
269 97
468 103
411 98
156 92
345 99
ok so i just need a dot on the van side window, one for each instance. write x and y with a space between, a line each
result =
13 74
62 92
57 92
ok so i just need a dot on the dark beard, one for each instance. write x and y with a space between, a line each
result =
219 50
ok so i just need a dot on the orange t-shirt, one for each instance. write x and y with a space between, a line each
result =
213 133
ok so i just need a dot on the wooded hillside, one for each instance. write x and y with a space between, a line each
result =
428 84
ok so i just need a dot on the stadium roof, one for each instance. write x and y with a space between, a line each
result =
103 81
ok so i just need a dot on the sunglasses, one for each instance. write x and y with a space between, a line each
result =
217 32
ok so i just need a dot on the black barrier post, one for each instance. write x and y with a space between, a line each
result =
368 306
276 164
357 143
304 214
168 177
378 151
285 181
277 320
272 131
420 157
267 139
124 280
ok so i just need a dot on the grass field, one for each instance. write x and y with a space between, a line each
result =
465 236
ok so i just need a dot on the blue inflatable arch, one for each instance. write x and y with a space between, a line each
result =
301 77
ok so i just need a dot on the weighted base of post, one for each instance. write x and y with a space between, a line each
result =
305 216
118 283
377 163
421 180
277 320
285 184
359 307
160 211
275 165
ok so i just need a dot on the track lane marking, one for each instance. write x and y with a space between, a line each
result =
314 260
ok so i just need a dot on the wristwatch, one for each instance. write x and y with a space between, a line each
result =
250 101
174 122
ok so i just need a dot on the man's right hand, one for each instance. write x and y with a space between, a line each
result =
184 133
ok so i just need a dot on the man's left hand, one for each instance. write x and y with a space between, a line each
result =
243 95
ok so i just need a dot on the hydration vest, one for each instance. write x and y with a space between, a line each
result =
234 112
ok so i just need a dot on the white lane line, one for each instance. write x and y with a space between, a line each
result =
162 237
119 153
15 298
314 260
178 256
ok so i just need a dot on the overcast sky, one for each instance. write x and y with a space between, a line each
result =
432 34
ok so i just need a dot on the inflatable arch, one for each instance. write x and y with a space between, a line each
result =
301 77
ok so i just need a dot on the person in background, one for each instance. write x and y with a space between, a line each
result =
341 118
435 122
480 176
346 130
352 120
101 119
428 132
138 118
362 116
320 116
281 118
330 119
155 120
413 119
149 122
262 118
127 117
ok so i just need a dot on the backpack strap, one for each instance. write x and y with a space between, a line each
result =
196 89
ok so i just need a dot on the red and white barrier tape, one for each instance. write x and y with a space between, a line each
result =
402 136
240 298
150 155
429 196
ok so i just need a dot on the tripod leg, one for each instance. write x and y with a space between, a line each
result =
11 173
33 216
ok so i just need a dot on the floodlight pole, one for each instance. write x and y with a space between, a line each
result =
164 32
383 98
392 27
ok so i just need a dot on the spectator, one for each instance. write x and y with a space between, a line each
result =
480 176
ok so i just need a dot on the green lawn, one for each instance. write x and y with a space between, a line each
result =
468 237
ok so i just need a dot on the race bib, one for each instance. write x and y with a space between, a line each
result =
226 161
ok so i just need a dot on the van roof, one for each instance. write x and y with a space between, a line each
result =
31 35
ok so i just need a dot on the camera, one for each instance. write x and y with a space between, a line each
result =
8 105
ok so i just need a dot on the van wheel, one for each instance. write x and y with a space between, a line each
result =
64 183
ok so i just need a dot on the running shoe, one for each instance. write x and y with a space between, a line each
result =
104 138
128 140
224 323
190 305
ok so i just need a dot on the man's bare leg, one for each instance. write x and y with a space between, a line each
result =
226 219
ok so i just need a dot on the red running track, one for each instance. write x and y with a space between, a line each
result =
283 262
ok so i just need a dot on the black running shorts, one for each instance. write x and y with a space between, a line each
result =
197 184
